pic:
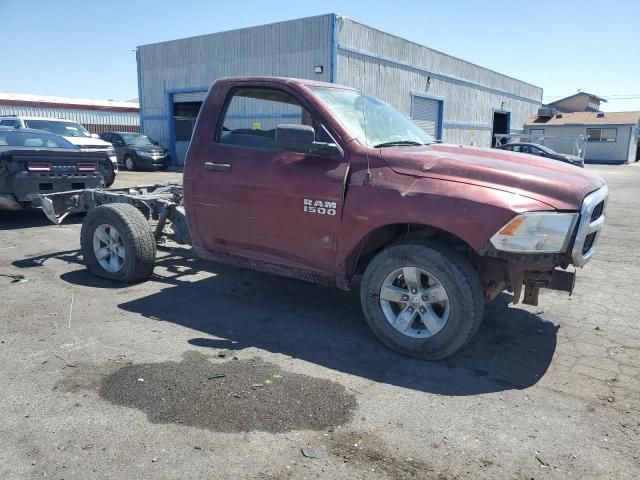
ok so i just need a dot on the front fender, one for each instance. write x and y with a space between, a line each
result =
470 212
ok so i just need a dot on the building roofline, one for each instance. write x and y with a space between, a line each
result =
577 95
48 101
440 52
236 29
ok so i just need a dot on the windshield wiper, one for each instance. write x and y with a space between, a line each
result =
397 143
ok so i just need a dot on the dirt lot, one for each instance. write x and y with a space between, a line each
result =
210 372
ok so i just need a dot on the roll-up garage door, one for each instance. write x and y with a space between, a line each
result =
189 97
425 112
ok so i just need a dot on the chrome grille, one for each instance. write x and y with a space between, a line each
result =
592 215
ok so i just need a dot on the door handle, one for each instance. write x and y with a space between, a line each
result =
217 167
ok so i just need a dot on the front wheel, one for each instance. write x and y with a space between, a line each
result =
117 243
422 299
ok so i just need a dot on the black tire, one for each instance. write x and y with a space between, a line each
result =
138 241
133 166
109 176
109 179
456 275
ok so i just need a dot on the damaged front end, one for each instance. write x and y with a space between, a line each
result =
535 250
26 174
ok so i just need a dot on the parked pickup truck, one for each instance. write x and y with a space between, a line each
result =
33 162
321 183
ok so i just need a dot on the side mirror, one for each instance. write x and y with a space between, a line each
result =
155 142
295 138
94 135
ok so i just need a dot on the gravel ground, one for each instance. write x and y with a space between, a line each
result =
208 372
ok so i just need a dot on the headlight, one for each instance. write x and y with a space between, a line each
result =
144 154
536 232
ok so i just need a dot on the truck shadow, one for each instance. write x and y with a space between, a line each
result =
30 218
237 309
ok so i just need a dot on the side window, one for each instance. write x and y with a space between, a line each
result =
9 123
252 116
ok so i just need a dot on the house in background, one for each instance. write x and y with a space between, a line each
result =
603 137
580 102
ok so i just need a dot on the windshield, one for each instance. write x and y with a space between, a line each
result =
136 139
545 149
370 120
18 138
67 129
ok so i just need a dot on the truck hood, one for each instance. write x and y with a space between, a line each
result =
89 142
557 184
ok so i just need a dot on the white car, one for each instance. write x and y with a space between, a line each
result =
71 131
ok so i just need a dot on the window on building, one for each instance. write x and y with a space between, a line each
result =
537 132
602 134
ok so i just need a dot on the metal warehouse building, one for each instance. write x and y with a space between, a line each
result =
95 115
454 100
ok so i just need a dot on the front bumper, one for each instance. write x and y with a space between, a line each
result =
28 186
533 271
150 162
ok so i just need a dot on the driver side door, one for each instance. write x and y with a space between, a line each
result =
255 200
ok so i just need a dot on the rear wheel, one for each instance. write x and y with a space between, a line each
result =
422 299
117 243
129 163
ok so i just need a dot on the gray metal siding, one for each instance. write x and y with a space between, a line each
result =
290 48
607 152
83 117
390 68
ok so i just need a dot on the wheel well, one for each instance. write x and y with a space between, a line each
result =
379 238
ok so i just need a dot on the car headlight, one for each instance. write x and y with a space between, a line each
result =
536 232
144 154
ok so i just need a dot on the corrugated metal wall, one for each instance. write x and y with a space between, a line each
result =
390 68
92 120
289 48
606 152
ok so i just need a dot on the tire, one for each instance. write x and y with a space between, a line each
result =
456 320
129 163
109 176
109 179
134 238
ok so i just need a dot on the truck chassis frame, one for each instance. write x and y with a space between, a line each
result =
159 202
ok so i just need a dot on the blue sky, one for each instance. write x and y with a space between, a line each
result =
85 49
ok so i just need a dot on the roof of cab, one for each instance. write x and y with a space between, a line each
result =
284 81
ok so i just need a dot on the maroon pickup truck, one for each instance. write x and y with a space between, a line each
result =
322 183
